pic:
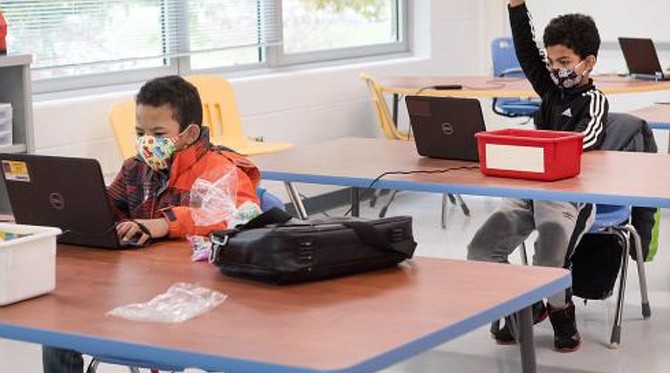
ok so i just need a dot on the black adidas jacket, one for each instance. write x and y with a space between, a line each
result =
579 109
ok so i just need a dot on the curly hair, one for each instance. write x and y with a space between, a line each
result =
575 31
181 95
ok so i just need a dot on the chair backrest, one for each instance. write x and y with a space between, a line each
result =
219 109
384 117
122 120
628 133
503 54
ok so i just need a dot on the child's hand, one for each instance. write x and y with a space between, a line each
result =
141 231
158 227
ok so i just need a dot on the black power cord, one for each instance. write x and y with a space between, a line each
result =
436 171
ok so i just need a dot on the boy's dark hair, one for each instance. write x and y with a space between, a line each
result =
181 95
575 31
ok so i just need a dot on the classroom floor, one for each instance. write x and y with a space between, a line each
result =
644 342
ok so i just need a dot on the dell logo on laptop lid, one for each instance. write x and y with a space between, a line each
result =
447 128
57 201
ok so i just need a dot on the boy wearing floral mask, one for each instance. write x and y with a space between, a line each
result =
150 195
570 102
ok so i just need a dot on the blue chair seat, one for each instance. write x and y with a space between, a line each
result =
518 107
609 216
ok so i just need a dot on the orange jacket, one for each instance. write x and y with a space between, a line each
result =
139 192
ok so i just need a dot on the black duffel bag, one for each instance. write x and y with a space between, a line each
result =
275 248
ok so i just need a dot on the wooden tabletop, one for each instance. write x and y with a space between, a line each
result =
658 116
618 178
368 321
486 86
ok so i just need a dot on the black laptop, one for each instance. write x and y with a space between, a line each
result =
445 127
68 193
642 59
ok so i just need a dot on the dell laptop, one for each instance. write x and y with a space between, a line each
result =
642 59
445 127
68 193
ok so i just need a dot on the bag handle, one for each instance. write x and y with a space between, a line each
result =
274 215
371 236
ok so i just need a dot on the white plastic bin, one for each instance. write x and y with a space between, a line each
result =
27 264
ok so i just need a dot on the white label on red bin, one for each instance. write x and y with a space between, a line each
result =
515 158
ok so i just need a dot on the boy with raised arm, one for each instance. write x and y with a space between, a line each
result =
570 102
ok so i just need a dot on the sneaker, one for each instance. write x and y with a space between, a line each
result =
504 336
566 336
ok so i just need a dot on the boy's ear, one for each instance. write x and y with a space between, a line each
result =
590 61
192 134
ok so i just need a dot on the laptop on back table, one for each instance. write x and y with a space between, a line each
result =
445 127
642 59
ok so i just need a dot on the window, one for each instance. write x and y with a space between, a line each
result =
332 24
110 41
80 37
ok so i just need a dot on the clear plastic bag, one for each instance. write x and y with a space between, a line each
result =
213 202
182 301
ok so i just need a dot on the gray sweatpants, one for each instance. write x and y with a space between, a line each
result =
560 225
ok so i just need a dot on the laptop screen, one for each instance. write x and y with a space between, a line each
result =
640 55
68 193
445 127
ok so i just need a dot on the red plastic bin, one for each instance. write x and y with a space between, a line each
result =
530 154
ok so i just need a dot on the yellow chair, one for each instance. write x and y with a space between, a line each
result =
391 131
220 114
122 120
384 117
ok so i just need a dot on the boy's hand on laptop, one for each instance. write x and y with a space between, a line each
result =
140 231
158 227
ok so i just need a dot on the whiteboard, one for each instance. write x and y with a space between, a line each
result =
614 18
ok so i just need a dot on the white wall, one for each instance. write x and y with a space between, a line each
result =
308 105
299 106
642 18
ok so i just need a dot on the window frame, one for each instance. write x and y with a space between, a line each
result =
271 55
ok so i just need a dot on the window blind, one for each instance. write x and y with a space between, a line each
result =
106 35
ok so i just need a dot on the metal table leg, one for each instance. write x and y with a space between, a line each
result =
527 345
295 200
355 202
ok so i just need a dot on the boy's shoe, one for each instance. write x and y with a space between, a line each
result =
504 335
566 336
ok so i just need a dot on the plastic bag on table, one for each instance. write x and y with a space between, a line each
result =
214 201
182 301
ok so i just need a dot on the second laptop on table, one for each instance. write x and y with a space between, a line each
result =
445 127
